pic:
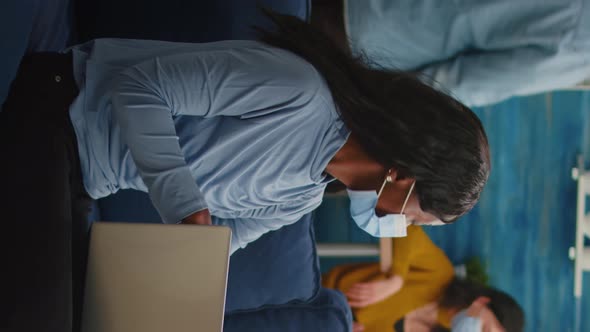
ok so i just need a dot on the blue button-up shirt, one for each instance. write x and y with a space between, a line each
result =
482 51
238 127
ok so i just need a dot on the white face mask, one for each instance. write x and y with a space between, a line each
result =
362 210
464 323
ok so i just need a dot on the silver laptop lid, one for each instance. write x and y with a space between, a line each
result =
155 278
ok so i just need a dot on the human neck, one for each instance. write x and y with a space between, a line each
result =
354 168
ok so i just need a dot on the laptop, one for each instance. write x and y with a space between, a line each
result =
156 278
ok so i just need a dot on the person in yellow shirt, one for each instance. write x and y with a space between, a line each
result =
420 293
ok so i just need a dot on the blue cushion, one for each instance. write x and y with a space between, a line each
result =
179 20
327 312
280 267
16 20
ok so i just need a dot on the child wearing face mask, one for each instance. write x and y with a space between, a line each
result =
420 293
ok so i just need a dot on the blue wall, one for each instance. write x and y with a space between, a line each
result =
524 224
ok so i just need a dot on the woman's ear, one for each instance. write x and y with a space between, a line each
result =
400 179
405 181
482 300
397 175
392 175
476 306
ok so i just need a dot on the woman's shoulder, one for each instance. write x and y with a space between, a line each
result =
284 62
298 74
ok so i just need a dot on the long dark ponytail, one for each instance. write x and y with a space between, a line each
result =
399 121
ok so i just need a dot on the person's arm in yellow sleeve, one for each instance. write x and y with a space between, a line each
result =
406 248
416 251
426 272
417 257
382 286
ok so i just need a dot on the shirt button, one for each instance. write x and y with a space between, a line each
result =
57 78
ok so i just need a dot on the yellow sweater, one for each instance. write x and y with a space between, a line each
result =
426 271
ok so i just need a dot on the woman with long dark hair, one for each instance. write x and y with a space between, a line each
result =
251 131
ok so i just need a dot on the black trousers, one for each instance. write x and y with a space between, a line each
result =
43 205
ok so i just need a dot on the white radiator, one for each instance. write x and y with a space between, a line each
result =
580 253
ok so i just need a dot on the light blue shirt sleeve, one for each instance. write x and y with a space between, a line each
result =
482 52
243 84
487 77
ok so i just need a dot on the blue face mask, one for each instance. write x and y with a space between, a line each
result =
464 323
362 210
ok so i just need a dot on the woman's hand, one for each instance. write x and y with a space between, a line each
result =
363 294
198 218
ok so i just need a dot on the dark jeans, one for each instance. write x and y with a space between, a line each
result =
43 205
